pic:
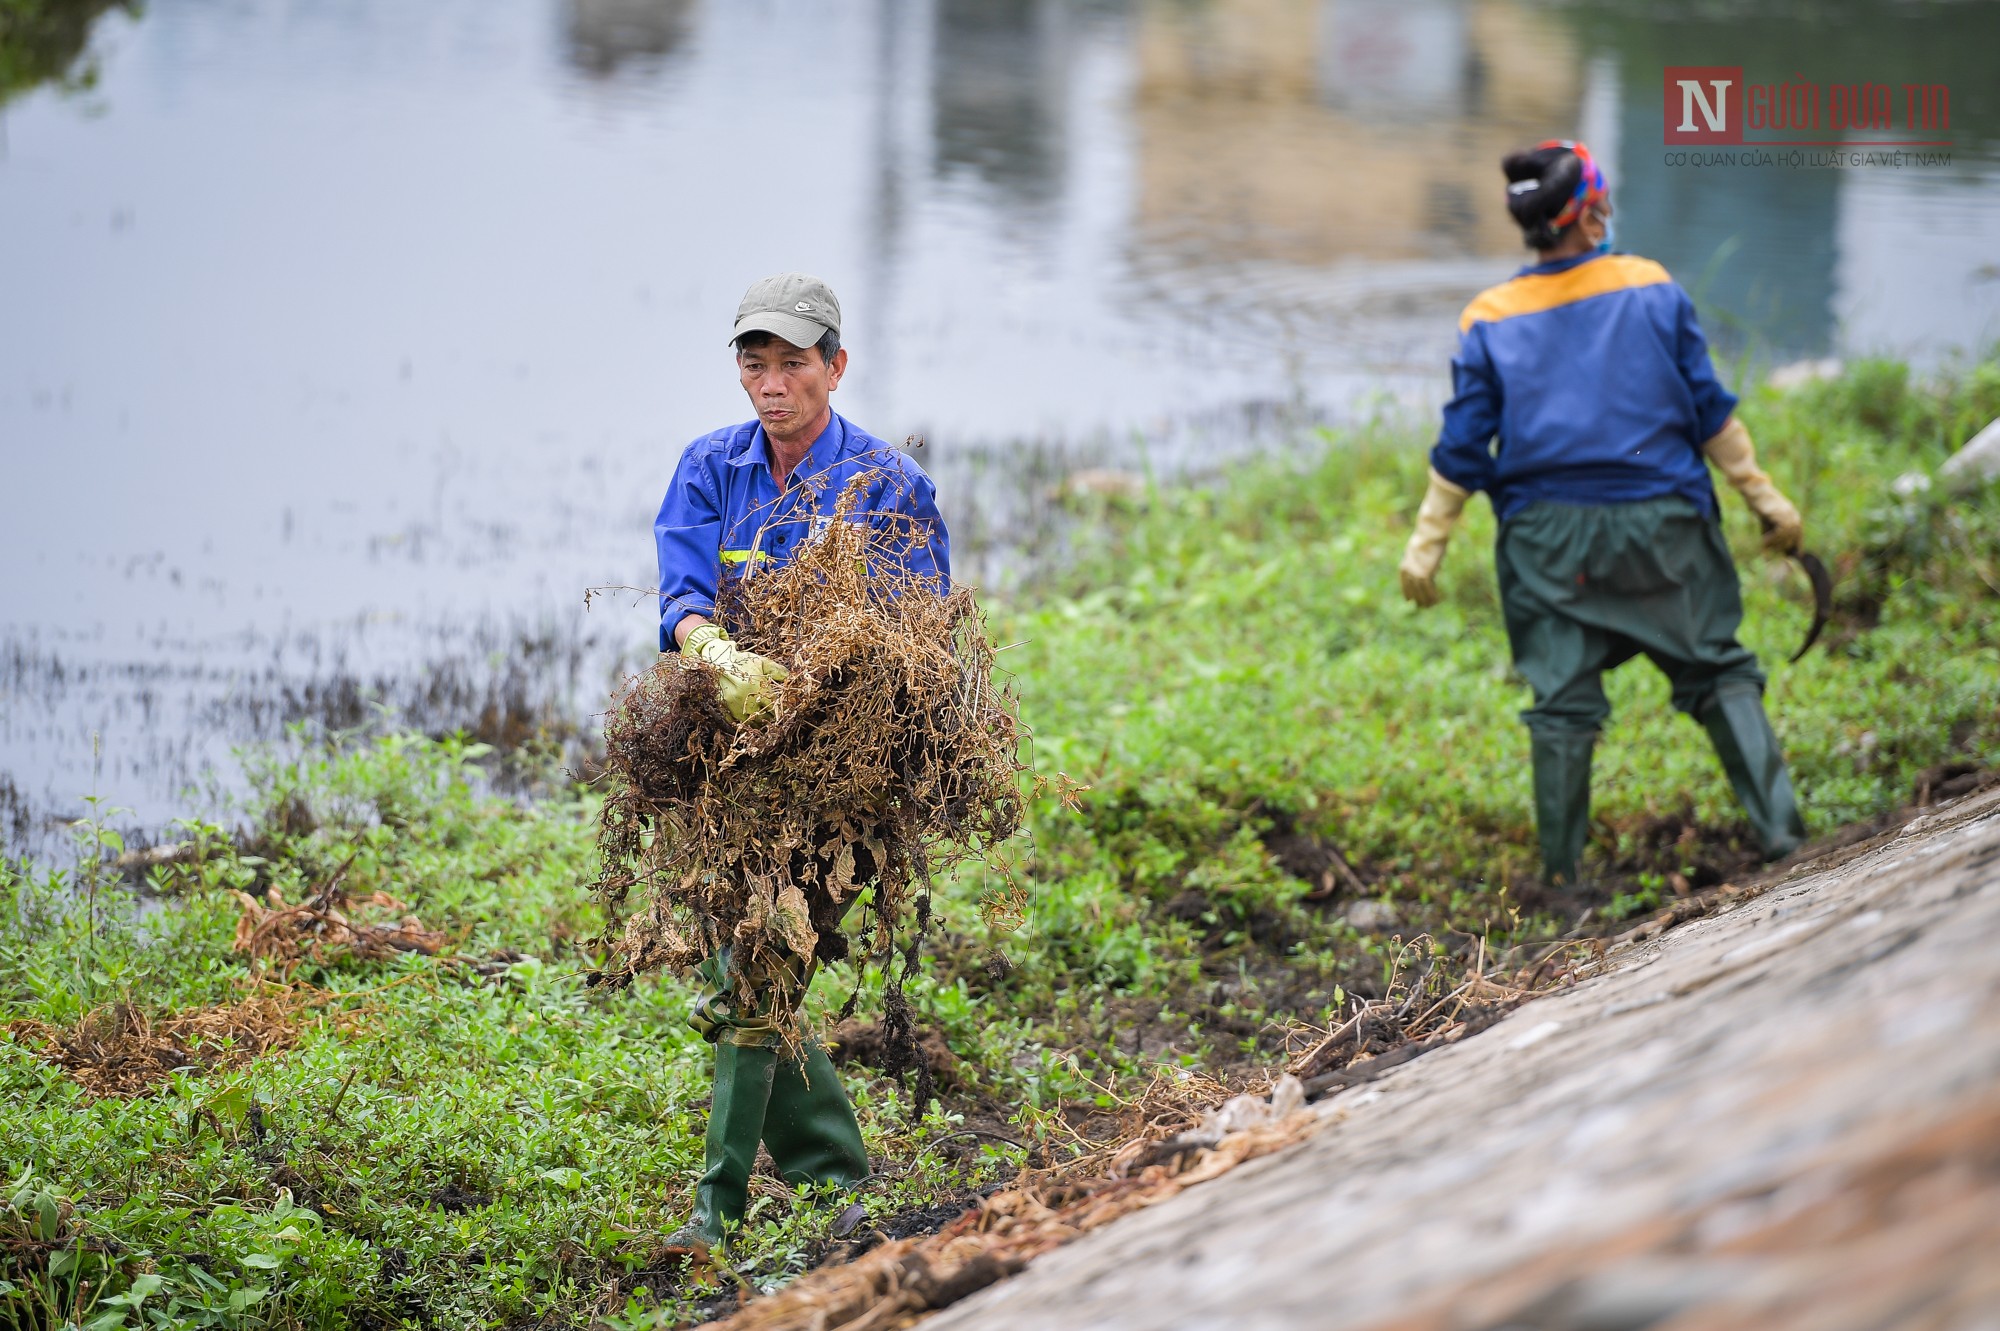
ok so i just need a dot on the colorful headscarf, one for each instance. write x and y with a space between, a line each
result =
1590 189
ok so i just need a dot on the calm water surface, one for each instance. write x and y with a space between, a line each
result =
342 346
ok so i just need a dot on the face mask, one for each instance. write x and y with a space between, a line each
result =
1610 235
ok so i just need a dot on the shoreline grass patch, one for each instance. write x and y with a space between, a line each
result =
1233 675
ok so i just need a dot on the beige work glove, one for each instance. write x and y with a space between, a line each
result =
1732 451
1436 516
744 678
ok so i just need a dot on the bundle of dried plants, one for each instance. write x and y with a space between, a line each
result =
890 754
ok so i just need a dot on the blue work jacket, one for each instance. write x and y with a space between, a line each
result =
725 514
1594 378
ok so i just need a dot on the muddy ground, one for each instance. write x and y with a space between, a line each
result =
1785 1114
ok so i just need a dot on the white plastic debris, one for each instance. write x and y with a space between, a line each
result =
1288 1097
1248 1111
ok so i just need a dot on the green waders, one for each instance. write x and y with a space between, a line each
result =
796 1107
1585 588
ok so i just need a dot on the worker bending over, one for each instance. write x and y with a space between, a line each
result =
1585 406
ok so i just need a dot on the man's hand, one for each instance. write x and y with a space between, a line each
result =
745 678
1436 516
1732 451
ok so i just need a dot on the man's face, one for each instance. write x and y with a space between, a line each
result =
788 385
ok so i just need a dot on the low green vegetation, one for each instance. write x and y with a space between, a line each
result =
1240 653
480 1139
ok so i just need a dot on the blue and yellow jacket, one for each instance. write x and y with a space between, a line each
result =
1594 378
725 514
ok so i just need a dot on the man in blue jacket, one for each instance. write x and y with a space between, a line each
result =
746 498
1585 406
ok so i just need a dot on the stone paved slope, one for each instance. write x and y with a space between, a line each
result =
1785 1115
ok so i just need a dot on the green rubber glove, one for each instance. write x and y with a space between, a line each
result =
745 678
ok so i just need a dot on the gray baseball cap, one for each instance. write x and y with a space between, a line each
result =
796 307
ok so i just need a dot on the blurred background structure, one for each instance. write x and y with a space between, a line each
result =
343 346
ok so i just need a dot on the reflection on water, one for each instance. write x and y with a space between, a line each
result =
999 92
1323 173
171 721
346 345
1318 135
606 37
1827 260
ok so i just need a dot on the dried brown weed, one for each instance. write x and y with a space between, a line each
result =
892 753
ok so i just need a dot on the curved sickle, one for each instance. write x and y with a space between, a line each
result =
1822 585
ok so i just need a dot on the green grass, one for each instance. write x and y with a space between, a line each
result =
1246 646
1226 665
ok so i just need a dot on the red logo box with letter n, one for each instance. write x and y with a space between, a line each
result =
1704 103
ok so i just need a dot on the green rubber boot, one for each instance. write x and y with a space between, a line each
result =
743 1077
810 1127
1562 799
1735 721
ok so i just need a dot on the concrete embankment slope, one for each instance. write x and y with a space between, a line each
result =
1784 1115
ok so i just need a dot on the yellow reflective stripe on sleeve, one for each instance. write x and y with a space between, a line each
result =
743 556
1545 291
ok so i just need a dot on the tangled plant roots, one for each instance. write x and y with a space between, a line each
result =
891 753
330 924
